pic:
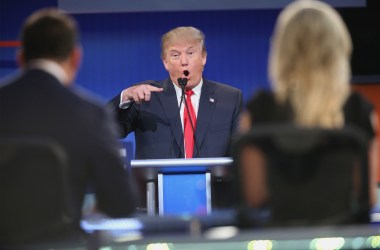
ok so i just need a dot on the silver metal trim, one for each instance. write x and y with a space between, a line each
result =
220 161
160 194
208 193
151 198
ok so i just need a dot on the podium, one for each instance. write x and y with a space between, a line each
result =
184 185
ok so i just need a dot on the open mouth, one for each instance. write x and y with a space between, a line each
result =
186 73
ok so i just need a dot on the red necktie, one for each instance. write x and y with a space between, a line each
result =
188 130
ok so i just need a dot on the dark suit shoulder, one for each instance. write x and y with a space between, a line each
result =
261 98
221 86
264 108
357 112
357 101
6 80
88 98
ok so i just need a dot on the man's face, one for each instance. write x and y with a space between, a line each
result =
185 55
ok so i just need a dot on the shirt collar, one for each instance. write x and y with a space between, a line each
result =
50 67
197 89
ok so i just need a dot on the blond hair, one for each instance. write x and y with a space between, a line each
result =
309 63
190 34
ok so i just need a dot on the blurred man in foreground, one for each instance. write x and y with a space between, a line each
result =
40 102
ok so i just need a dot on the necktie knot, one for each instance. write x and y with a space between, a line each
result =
189 93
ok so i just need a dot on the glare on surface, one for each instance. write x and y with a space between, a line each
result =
327 243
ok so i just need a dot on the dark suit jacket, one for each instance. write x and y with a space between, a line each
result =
157 121
34 103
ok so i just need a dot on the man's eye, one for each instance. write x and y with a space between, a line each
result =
175 55
190 53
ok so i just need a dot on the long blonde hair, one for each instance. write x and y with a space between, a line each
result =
309 63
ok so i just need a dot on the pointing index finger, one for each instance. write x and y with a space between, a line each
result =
154 89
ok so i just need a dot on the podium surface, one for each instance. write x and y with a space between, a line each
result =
183 184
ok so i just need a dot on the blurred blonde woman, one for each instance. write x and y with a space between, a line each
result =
309 69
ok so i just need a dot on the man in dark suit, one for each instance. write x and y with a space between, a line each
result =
150 108
40 101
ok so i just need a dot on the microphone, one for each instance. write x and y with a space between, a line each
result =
183 81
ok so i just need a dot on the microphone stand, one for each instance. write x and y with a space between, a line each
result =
182 82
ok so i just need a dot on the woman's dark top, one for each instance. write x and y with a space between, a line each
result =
263 108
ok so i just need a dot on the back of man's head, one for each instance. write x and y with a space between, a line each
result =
48 34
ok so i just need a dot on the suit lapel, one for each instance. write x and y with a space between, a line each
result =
169 104
207 104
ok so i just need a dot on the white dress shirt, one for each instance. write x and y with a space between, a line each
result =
194 99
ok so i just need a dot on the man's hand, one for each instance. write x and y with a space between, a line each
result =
139 93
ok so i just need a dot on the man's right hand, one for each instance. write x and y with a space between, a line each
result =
139 93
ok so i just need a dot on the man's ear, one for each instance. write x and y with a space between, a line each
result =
204 58
71 64
20 59
76 58
166 65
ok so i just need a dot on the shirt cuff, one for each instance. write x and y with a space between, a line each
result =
124 104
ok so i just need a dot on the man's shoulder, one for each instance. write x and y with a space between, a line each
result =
87 98
9 81
85 101
221 86
10 78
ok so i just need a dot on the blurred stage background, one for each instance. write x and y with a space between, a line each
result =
121 40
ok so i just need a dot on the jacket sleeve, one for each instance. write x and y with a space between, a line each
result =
114 190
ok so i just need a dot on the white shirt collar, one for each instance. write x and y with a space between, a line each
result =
50 67
197 89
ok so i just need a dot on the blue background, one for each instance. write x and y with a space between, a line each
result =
123 48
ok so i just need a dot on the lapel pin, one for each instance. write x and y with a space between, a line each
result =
212 100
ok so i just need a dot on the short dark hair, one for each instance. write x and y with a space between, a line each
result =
49 33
